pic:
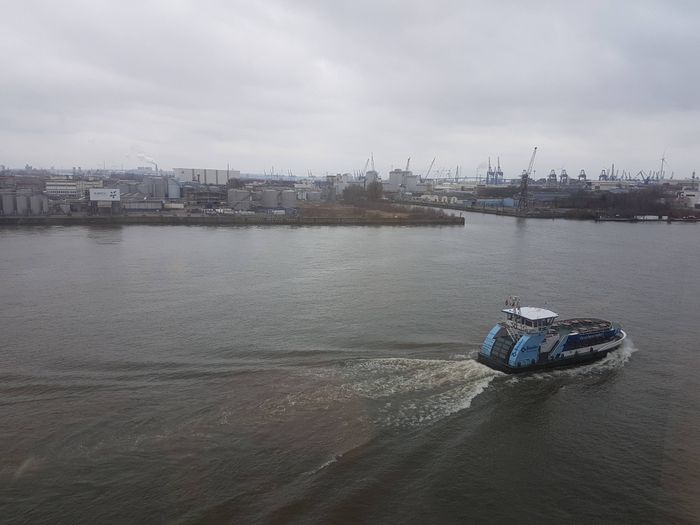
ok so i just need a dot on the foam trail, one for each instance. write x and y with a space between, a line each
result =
438 406
401 391
323 465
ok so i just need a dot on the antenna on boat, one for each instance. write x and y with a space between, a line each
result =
514 302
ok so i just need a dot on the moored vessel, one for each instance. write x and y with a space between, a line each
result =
531 338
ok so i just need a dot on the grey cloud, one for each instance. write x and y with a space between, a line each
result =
318 85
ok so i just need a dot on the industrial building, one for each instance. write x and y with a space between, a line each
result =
70 188
61 187
270 198
690 198
23 202
404 181
288 199
205 175
239 200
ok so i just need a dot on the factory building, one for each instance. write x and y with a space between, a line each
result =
142 205
156 187
508 202
70 188
60 187
104 201
341 181
370 177
404 181
239 200
83 186
205 175
690 198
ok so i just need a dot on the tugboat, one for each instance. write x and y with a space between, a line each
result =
530 339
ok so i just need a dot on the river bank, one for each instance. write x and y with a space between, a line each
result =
533 213
561 213
229 220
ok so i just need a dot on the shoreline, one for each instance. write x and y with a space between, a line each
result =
544 213
227 220
508 212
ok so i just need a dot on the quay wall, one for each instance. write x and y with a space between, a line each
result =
228 220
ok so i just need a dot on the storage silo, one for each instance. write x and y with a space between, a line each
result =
174 191
289 199
239 199
8 203
270 198
36 204
22 204
370 177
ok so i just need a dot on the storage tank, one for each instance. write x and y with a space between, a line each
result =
37 204
270 198
174 191
370 177
239 199
289 199
411 182
8 203
22 204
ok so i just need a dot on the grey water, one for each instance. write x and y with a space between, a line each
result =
326 375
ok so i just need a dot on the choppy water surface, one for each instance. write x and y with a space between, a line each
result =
180 374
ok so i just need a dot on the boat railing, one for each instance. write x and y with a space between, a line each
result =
511 333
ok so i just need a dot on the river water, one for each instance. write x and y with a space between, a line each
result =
324 374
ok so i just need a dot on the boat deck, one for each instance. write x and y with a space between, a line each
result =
583 325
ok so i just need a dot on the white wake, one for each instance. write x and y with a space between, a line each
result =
400 391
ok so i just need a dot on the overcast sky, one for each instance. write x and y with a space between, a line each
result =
311 85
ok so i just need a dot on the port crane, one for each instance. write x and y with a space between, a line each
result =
364 171
522 202
644 176
425 177
532 161
663 161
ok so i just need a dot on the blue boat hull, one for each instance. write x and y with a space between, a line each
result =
576 360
